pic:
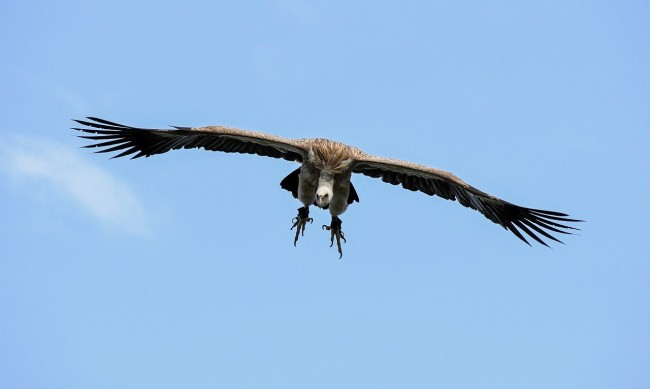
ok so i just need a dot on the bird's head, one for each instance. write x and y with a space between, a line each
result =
325 189
324 196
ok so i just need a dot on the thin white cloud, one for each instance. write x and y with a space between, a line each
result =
62 170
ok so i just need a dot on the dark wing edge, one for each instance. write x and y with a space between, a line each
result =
144 142
536 223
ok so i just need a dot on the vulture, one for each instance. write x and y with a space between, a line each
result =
323 178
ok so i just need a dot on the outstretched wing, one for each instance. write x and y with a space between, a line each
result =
535 223
114 137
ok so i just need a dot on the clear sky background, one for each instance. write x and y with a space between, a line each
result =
179 270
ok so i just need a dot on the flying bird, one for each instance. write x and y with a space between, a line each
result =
323 178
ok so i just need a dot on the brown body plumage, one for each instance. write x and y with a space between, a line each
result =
331 155
324 176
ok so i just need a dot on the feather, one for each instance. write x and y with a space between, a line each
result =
517 219
330 156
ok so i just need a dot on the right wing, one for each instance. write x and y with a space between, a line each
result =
113 137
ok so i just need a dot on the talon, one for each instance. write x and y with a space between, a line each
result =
336 232
300 222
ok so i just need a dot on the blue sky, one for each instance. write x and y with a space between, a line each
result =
179 270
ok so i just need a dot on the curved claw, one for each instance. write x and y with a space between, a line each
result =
336 232
300 222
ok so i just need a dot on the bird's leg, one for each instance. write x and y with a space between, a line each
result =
300 221
336 232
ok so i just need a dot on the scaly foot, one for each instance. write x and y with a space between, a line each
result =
300 221
336 232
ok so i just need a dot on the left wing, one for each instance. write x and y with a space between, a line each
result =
533 222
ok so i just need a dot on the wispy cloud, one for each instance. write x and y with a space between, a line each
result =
62 170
